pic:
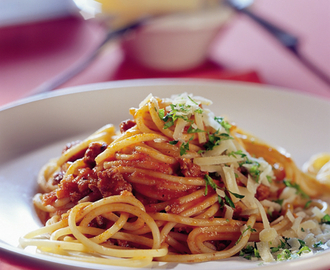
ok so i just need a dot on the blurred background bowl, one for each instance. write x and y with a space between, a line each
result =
176 42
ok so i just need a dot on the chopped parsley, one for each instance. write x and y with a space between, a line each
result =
318 244
282 252
209 182
279 201
307 204
178 111
269 178
198 110
184 147
249 228
236 153
194 130
223 123
303 247
249 252
284 255
215 139
299 191
229 201
161 113
253 166
325 219
255 172
278 248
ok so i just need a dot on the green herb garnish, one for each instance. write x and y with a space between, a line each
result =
307 204
215 139
249 228
184 147
194 130
325 219
238 152
297 187
223 123
209 182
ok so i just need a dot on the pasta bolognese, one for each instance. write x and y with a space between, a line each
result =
176 184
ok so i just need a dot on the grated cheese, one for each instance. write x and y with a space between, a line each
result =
288 195
296 225
264 252
221 193
200 125
229 212
217 150
275 206
179 128
290 216
252 185
223 159
317 212
230 182
248 199
263 214
279 219
211 168
267 235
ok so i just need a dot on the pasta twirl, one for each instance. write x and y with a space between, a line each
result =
176 184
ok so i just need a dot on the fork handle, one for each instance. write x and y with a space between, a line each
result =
289 41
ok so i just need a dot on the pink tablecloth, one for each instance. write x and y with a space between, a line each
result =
32 54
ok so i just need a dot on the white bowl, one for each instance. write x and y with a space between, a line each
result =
175 42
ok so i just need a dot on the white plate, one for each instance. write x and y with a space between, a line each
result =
35 129
17 12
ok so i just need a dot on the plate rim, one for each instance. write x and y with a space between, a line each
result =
156 82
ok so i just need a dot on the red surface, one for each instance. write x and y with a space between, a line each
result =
35 53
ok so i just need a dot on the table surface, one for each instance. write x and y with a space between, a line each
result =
34 53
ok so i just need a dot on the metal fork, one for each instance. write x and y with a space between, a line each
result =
289 41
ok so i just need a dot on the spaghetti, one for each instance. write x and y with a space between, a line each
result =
176 184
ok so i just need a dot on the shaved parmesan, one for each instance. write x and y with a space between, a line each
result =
217 150
279 219
288 195
230 182
211 168
274 205
200 125
210 121
249 212
229 212
264 251
267 235
317 212
252 185
178 131
221 193
263 214
296 224
216 160
248 199
290 216
266 172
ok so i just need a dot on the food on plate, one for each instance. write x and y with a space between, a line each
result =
319 167
177 184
